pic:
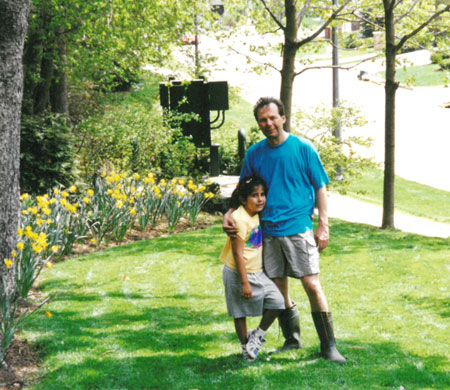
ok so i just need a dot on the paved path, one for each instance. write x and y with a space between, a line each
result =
357 211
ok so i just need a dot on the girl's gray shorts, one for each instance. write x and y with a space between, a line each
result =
295 256
265 294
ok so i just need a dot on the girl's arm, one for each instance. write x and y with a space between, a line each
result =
237 245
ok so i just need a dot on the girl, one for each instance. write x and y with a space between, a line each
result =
248 291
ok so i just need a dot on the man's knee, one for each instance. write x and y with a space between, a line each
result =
311 284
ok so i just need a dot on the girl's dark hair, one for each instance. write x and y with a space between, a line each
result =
244 189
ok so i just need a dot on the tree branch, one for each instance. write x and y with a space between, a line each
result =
336 67
323 27
272 15
407 12
302 13
421 27
253 60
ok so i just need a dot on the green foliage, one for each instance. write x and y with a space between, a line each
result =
339 156
47 155
351 40
131 135
442 59
152 315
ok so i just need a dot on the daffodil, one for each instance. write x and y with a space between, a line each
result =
8 263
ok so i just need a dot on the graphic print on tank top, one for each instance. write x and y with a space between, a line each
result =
255 238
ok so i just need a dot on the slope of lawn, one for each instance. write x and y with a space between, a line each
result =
151 315
410 197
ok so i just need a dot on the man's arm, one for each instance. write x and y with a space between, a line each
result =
322 233
228 225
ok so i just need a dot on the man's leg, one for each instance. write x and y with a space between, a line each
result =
283 286
289 318
322 318
313 289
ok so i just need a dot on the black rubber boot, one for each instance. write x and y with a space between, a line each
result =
289 320
324 326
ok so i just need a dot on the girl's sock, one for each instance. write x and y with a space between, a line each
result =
259 332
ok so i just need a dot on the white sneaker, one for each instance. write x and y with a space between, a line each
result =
254 344
246 356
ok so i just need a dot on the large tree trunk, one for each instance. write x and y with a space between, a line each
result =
390 91
289 52
13 25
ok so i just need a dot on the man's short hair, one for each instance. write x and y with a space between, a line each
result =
265 101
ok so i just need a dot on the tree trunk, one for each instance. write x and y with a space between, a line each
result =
31 65
42 91
289 52
13 26
390 91
58 88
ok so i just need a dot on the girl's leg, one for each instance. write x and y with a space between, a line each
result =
268 318
240 324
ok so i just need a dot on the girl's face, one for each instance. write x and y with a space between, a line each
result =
255 201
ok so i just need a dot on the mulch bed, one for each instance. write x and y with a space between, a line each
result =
22 365
22 361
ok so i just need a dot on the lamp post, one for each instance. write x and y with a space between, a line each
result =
335 63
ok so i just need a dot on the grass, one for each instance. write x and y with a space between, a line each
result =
420 76
410 197
151 315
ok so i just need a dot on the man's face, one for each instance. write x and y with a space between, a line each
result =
271 122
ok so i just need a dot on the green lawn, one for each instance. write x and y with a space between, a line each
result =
410 197
420 76
151 315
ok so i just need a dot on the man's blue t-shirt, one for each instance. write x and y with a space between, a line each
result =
292 171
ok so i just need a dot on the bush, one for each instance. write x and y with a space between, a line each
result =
339 156
133 137
46 153
351 40
442 59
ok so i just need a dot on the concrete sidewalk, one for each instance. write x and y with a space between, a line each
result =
357 211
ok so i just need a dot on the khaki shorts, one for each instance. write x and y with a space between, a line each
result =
295 256
265 294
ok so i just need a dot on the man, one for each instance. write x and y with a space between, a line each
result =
295 176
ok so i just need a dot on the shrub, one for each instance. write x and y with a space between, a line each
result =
442 59
46 153
351 40
133 137
339 156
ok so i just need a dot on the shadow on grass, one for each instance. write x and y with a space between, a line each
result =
178 342
378 366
